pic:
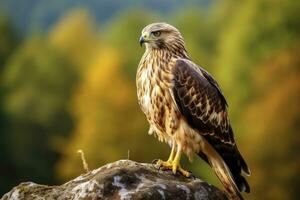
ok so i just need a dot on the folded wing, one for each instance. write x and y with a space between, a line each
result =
201 102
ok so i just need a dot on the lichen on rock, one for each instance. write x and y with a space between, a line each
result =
124 180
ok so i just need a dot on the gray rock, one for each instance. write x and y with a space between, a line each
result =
123 179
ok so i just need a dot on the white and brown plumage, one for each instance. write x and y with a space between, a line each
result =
186 108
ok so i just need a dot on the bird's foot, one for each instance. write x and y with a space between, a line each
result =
164 164
172 165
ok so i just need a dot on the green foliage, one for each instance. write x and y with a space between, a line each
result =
259 73
37 81
76 38
200 33
8 40
277 159
37 84
123 34
257 30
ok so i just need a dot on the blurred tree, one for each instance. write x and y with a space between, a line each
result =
8 43
76 37
8 40
256 30
123 34
200 33
109 122
275 160
37 83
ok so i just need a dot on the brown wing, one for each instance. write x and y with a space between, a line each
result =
201 102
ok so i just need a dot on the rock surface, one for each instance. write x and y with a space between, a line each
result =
123 179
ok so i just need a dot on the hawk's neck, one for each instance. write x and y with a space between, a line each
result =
165 55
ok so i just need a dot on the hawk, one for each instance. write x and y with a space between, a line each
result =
185 107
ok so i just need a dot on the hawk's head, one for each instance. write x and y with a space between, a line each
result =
161 35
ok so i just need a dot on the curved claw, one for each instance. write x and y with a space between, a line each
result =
164 164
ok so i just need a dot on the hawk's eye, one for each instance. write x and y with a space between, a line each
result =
156 33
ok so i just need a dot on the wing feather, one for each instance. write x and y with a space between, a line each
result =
200 100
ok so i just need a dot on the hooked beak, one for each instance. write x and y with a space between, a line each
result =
142 40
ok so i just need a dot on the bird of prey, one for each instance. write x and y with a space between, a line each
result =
185 107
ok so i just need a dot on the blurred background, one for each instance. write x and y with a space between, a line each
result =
67 82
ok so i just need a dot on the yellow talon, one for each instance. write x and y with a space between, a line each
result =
167 164
164 164
173 163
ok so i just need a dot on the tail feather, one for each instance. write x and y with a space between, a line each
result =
236 165
241 183
223 173
233 183
244 166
